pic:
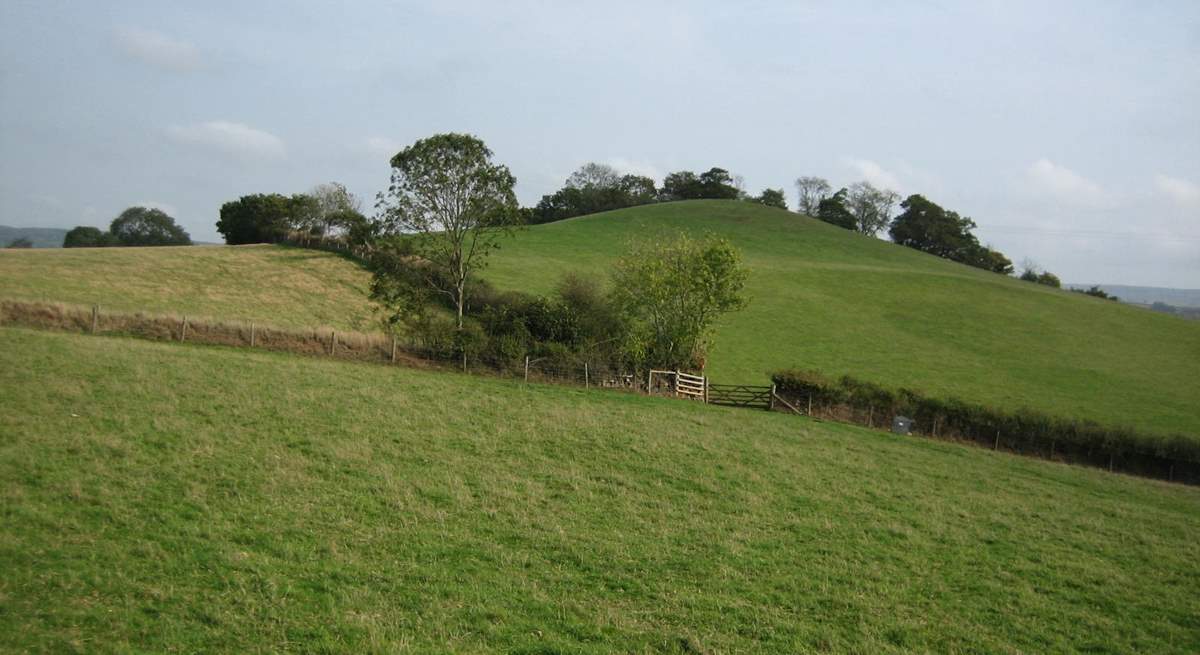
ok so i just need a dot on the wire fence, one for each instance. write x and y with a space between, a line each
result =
387 349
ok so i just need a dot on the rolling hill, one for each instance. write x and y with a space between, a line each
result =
41 237
274 285
835 301
176 498
821 298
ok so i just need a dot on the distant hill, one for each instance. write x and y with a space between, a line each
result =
1148 295
42 237
838 302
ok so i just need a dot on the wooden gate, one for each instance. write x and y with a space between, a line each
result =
741 395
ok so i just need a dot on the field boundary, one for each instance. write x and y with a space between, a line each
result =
385 349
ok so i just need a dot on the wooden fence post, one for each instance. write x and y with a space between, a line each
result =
587 382
393 357
183 330
870 416
996 446
770 405
95 317
526 369
810 404
252 335
332 341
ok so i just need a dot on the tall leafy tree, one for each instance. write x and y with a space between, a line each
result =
771 198
871 207
85 236
257 218
454 203
811 191
833 210
671 294
926 226
144 226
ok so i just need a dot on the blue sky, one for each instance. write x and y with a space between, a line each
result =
1069 131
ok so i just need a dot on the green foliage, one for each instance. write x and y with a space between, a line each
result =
713 184
591 189
926 226
1095 292
672 294
833 210
20 242
1049 279
87 237
260 218
1023 429
446 191
771 198
871 207
143 226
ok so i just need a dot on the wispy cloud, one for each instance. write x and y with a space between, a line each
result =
1181 192
874 173
1064 184
158 49
233 139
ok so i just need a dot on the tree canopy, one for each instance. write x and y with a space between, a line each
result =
833 210
452 203
145 226
259 218
86 237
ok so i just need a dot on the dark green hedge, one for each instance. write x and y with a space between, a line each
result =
1173 456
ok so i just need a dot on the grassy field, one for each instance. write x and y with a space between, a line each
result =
173 498
828 299
273 285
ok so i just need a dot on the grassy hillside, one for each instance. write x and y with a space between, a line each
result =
161 497
288 287
841 303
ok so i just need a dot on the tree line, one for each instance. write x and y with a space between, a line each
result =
136 226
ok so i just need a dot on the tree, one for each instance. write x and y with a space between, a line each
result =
833 210
812 190
771 198
20 242
680 185
593 175
331 201
717 183
671 295
86 237
1049 279
925 226
144 226
871 207
447 193
257 218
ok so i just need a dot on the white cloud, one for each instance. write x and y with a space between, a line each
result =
1064 184
382 146
234 139
631 167
874 173
158 49
1182 192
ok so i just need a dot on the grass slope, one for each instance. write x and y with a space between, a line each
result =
287 287
170 498
828 299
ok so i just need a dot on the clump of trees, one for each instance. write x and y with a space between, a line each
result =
591 189
1033 273
19 242
1095 292
449 206
136 226
326 212
926 226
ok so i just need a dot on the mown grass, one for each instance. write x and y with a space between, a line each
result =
826 299
287 287
174 498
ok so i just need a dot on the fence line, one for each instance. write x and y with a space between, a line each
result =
387 349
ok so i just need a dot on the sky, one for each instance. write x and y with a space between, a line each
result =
1069 131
